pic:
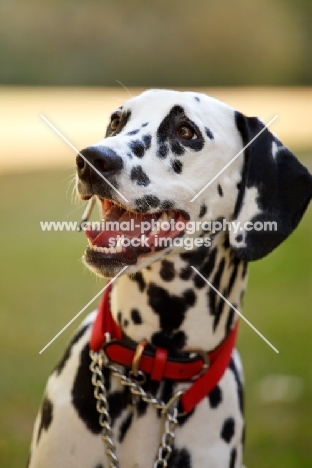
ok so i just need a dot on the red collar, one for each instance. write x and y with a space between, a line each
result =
156 362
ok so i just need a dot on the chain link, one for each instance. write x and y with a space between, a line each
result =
168 410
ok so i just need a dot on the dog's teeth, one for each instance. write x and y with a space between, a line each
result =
119 241
163 217
99 249
112 250
119 244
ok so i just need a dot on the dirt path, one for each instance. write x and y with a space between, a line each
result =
81 114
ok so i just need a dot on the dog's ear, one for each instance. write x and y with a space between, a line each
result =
275 188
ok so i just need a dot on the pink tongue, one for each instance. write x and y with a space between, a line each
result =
102 239
130 225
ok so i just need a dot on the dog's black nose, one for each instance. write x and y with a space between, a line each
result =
97 161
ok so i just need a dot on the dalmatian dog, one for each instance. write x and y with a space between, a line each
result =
161 149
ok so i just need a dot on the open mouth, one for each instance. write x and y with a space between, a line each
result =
123 235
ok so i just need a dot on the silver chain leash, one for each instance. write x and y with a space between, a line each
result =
168 410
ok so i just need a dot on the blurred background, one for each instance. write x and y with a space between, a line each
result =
64 59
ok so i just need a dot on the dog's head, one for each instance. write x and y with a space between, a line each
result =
160 150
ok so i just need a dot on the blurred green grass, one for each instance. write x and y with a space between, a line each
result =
44 284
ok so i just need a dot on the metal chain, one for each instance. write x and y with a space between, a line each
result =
169 410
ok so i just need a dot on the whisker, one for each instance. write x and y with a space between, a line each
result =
125 87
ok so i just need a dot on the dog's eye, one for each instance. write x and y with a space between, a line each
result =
114 123
186 132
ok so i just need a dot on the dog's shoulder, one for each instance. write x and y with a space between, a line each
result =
72 354
69 382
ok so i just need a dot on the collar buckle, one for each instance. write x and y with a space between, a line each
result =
204 355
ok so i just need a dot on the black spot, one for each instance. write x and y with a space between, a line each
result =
233 458
180 458
220 191
58 369
197 98
186 273
133 132
229 321
190 297
176 341
118 401
239 238
138 277
119 318
236 263
240 390
228 430
170 308
215 397
137 148
46 416
126 323
146 203
145 124
245 269
147 140
226 243
196 257
177 166
83 395
203 210
177 148
218 311
139 176
209 133
239 185
216 303
136 317
243 438
205 269
167 271
167 205
195 144
162 151
83 392
125 425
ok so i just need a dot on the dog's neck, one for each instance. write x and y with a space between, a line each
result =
171 306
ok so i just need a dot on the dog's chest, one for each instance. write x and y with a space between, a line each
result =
213 431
